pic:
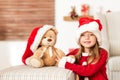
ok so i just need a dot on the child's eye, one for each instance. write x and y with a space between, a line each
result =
82 35
91 34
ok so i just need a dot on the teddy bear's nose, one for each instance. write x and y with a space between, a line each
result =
49 40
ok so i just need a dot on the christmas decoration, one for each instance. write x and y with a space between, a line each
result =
85 9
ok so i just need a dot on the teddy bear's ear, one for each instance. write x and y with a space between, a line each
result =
55 30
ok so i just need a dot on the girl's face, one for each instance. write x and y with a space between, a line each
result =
87 39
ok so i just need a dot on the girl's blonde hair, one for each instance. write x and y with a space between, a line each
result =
94 57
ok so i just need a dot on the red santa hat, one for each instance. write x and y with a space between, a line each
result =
91 25
40 32
34 40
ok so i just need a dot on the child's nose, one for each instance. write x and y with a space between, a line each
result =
87 37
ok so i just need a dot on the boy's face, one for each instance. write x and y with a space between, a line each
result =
87 39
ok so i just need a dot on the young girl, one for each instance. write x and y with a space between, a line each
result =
91 60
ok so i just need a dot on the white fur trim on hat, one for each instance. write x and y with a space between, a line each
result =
91 27
39 36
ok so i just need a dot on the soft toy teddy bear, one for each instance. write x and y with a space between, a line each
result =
40 49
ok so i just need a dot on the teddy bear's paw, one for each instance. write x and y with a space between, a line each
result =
28 61
35 63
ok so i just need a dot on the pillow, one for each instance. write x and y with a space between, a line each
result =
104 32
113 22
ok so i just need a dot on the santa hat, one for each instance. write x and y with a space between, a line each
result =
34 40
40 32
91 25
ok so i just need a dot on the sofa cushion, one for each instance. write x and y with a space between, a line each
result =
113 24
114 63
114 47
104 31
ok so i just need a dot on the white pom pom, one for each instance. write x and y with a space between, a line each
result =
84 63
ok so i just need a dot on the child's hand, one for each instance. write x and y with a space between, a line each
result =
62 61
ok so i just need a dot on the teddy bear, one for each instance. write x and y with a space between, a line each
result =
41 50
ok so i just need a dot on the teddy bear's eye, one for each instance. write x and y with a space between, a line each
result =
44 37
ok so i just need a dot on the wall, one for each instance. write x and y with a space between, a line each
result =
11 53
19 17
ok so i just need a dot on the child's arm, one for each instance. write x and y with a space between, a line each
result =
91 68
73 52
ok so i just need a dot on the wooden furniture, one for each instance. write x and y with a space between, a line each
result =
68 18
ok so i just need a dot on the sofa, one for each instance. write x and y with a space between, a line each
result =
111 41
